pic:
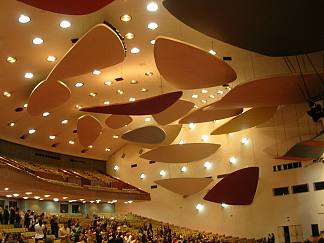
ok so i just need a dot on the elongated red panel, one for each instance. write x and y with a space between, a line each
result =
189 67
273 91
273 28
118 121
181 153
237 188
147 106
71 7
185 186
148 135
205 115
99 48
46 96
174 112
89 129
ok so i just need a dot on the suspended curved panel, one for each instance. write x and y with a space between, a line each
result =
189 67
147 106
272 91
237 188
42 98
289 31
206 115
89 129
71 7
248 119
106 49
174 112
118 121
171 133
184 186
148 134
181 153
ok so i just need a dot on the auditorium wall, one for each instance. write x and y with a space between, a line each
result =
267 212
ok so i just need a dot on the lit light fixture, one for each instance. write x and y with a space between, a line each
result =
199 207
204 101
108 82
65 24
191 125
152 6
6 94
132 99
90 146
135 50
29 75
152 26
120 91
125 18
194 96
144 90
196 106
56 199
6 189
224 205
107 149
38 41
152 41
52 137
28 193
15 195
78 107
162 173
244 140
23 19
232 160
31 131
92 94
25 105
133 81
96 72
115 136
64 198
116 167
46 113
142 176
64 122
8 196
212 96
148 74
25 198
181 141
204 137
37 197
11 124
81 199
220 92
207 165
147 119
129 36
78 84
183 169
212 52
71 142
106 102
51 58
47 196
11 59
204 91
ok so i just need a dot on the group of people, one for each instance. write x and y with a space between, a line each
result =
10 216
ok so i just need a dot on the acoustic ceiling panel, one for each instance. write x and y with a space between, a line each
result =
237 188
147 135
89 129
181 153
71 7
248 119
271 91
185 186
118 121
174 112
189 67
106 50
42 98
206 115
293 30
147 106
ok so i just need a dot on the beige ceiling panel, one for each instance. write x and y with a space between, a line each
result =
118 121
99 48
46 96
248 119
181 153
174 112
189 67
89 129
185 186
148 135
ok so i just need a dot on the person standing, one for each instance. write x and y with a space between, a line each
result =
1 215
6 215
12 216
27 219
39 231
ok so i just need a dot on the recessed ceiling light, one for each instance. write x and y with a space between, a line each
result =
120 91
196 106
52 137
11 124
135 50
115 136
90 146
152 26
11 59
194 96
31 131
224 205
199 207
78 107
220 92
152 6
212 52
25 198
204 101
142 176
162 173
107 149
149 74
204 91
38 41
232 160
25 105
132 99
65 24
212 96
147 119
183 169
8 196
45 114
116 167
191 125
181 141
78 84
129 36
207 165
133 81
51 58
64 198
125 18
37 197
71 142
47 195
15 195
244 140
28 193
152 41
204 137
29 75
64 122
96 72
6 188
92 94
56 199
24 19
108 82
144 90
107 102
6 94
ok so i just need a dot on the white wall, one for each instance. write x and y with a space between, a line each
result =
266 213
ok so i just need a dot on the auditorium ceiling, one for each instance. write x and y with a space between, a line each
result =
60 91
